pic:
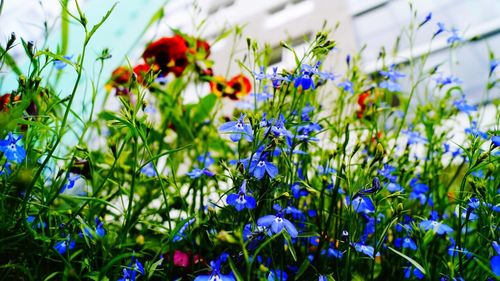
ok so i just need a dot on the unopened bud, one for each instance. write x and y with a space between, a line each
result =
139 240
11 41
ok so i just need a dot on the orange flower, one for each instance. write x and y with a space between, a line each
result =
168 54
5 101
238 87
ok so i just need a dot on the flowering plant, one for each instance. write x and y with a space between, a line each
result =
313 176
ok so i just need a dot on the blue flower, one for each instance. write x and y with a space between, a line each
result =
59 65
332 252
305 81
6 169
241 200
392 76
361 204
454 37
72 178
394 187
346 86
427 19
418 274
260 167
277 275
99 230
495 140
277 223
12 150
362 248
495 260
462 106
322 278
181 233
448 80
438 227
414 137
215 275
196 173
493 65
149 170
441 28
237 129
130 273
62 246
406 243
278 127
475 132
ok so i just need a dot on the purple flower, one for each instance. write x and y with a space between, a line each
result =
241 200
304 80
237 129
277 223
12 150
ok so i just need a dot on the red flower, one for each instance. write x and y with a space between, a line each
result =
5 101
168 54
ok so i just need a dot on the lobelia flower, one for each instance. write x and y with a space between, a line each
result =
6 169
438 227
392 76
304 80
495 140
453 250
63 246
475 132
346 86
362 248
493 65
196 173
60 65
72 178
495 260
130 273
415 271
406 243
277 275
427 19
260 167
11 149
277 223
215 275
241 200
462 106
441 29
454 37
149 170
99 230
237 129
448 80
414 137
181 233
361 204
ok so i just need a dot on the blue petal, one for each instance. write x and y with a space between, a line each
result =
290 228
266 220
259 172
495 265
276 227
228 127
231 199
250 202
271 169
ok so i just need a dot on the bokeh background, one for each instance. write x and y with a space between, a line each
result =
356 24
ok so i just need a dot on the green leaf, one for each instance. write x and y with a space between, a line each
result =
412 261
290 245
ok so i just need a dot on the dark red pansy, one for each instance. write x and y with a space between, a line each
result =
168 54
